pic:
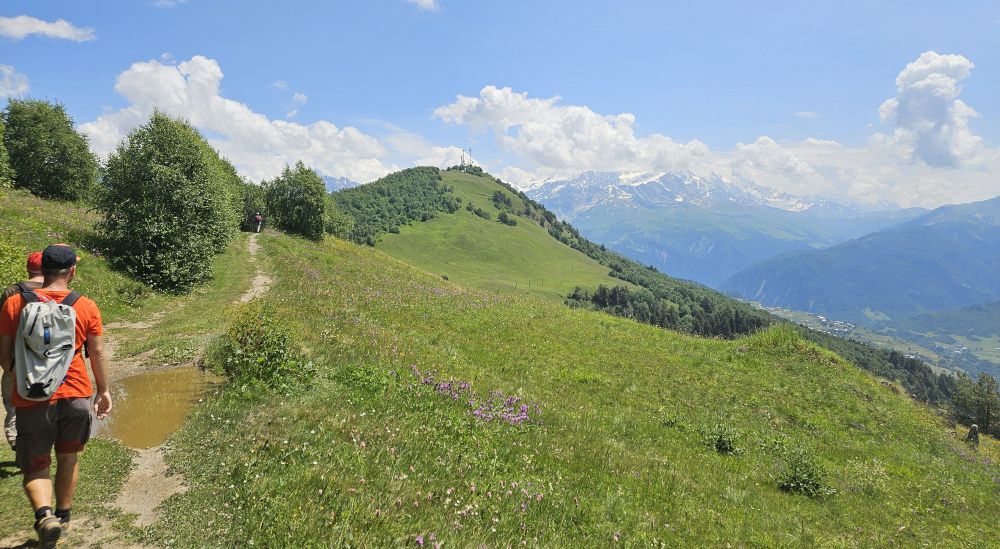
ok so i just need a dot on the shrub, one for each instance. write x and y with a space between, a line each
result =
478 211
259 351
804 475
506 219
6 172
337 223
11 264
866 476
296 202
169 204
722 438
48 157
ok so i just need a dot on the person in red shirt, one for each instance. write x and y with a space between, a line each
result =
35 280
64 421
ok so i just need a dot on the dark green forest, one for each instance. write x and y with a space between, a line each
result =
383 206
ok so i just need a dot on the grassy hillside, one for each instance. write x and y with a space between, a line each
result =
385 447
489 255
493 236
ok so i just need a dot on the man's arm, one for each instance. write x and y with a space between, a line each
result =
95 346
6 353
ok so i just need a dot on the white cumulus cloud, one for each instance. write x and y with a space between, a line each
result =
258 146
12 83
555 136
24 25
427 5
931 122
930 158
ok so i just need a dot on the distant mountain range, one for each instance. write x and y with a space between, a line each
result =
702 228
945 259
334 184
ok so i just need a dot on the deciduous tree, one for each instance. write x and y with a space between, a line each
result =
48 156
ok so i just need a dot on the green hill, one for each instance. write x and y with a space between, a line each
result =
487 235
489 255
641 435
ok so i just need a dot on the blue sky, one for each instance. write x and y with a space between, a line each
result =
705 77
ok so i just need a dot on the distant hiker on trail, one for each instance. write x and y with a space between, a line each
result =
973 436
258 221
35 278
42 334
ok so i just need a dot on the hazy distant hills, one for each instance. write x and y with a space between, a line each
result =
702 228
946 259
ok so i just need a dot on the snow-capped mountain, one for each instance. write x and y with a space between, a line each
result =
570 197
703 228
338 183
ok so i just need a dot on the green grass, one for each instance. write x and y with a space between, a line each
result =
103 468
489 255
371 457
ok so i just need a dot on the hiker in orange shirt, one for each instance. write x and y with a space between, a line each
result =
35 279
61 418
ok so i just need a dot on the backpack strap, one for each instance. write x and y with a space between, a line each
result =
71 299
27 294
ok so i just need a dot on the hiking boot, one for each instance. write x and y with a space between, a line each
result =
49 531
64 524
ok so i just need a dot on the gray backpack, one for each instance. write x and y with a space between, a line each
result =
45 344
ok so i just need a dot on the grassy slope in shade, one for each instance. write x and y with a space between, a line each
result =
489 255
371 457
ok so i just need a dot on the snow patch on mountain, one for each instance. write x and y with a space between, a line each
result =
571 196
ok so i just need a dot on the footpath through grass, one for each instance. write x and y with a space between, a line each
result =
644 437
489 255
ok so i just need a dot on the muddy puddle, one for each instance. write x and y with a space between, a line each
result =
149 407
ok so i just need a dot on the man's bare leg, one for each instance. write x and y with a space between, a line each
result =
38 487
67 472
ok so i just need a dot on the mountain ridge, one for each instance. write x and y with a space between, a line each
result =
945 259
702 229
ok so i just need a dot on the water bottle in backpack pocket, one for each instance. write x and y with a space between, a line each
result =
44 345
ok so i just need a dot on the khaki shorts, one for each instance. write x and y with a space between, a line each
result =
62 423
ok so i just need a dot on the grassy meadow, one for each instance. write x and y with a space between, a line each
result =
630 435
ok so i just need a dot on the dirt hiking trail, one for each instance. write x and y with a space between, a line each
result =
150 481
